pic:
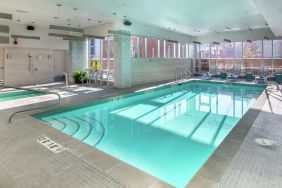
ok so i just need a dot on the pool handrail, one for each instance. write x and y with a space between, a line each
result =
182 73
34 90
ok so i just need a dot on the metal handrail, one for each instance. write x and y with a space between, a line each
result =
273 83
40 91
182 73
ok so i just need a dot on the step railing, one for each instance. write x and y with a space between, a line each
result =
182 73
37 108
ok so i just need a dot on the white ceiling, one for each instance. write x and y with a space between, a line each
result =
192 17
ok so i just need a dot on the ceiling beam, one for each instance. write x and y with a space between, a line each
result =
62 28
4 29
4 40
6 16
25 37
62 35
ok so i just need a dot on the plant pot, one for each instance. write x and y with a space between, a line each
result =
77 81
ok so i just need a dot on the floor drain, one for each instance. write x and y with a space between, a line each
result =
265 142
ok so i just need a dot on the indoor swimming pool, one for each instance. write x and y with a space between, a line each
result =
14 95
168 133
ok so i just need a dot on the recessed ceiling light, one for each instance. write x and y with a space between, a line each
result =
75 9
124 16
69 24
114 13
59 5
18 20
99 21
55 17
88 19
33 22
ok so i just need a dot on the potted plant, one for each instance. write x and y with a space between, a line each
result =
80 76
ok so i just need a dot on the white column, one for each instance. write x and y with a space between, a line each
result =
122 65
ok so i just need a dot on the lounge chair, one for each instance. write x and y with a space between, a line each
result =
235 74
212 73
223 75
262 76
249 76
92 76
105 76
206 76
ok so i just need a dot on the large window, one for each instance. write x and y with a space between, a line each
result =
170 49
277 49
183 50
103 51
95 48
238 50
152 48
226 50
205 55
134 47
143 47
267 49
277 53
252 56
253 50
162 49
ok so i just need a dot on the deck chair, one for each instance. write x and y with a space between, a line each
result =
92 76
262 75
212 73
236 72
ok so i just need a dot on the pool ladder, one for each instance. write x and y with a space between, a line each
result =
182 73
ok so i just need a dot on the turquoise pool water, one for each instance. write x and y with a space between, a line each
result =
168 133
8 96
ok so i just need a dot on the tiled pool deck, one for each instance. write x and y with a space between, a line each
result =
238 162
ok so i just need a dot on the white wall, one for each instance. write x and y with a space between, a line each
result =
20 70
154 70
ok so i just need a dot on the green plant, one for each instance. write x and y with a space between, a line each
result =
80 76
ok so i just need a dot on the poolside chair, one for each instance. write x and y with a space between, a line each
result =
249 76
235 73
223 75
206 76
105 76
92 76
262 75
212 73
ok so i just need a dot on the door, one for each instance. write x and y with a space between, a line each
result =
2 59
60 64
